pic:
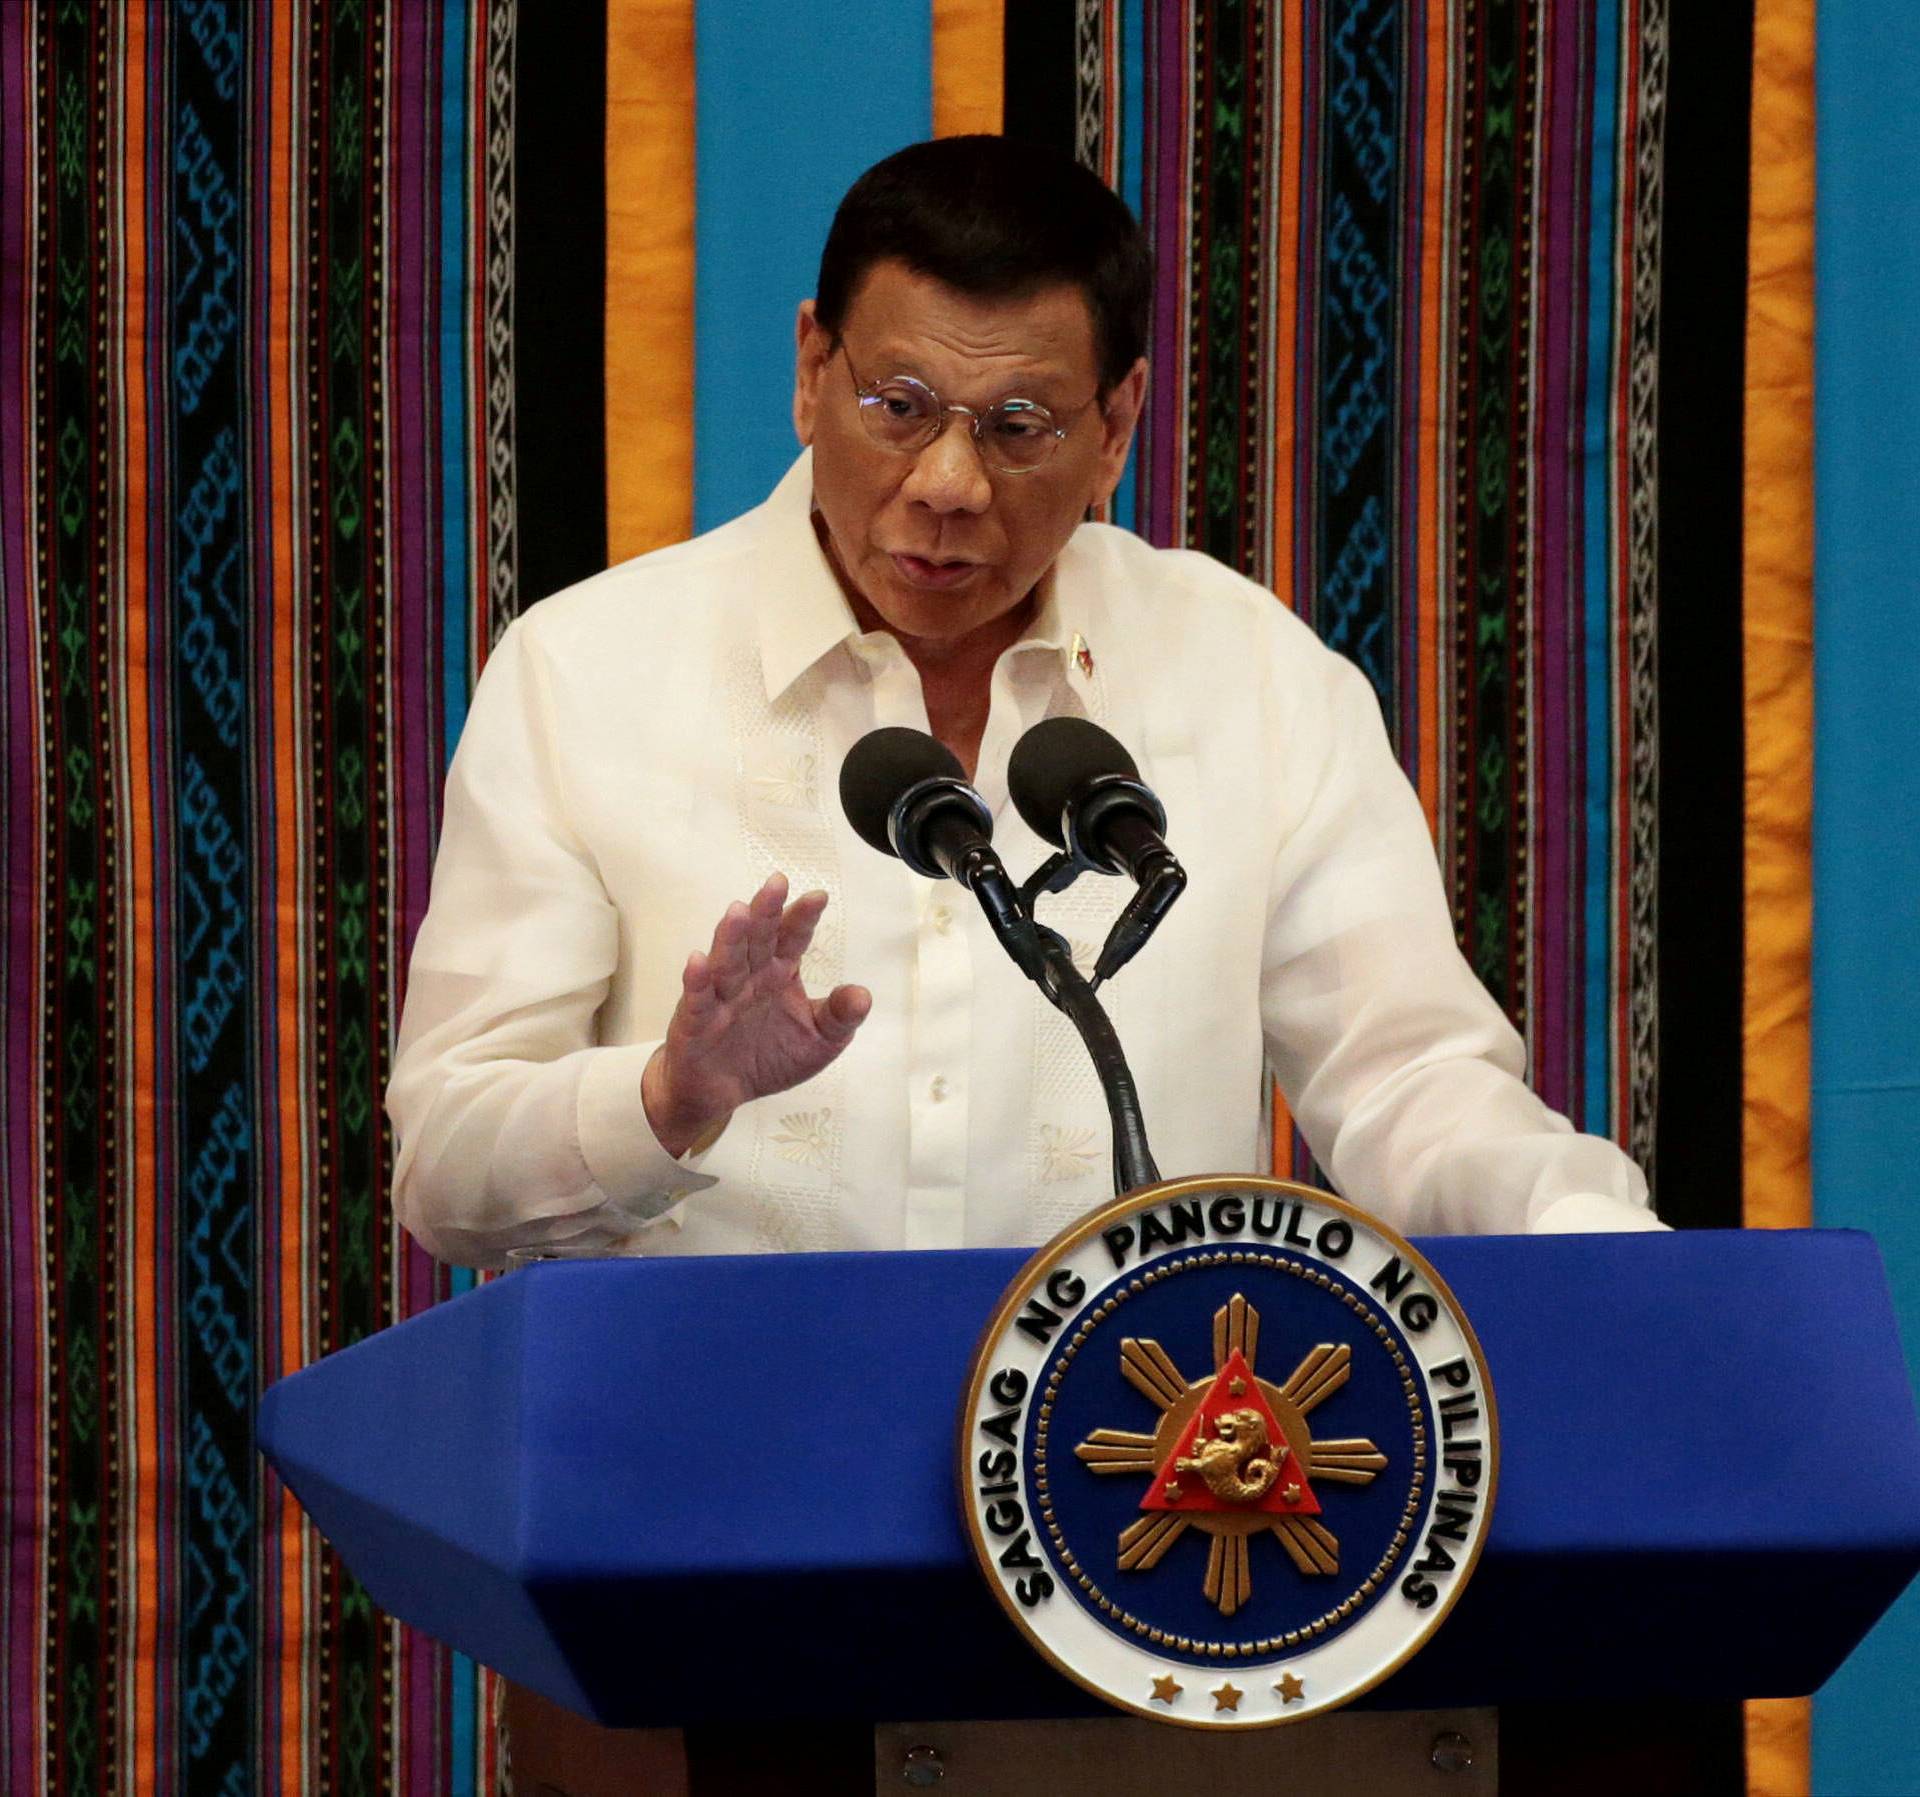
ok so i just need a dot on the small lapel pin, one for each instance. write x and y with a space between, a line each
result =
1082 655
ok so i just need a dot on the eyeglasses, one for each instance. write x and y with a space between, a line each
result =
904 415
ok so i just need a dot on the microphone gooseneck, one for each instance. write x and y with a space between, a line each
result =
1073 997
906 795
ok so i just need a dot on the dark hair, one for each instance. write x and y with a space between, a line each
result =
995 218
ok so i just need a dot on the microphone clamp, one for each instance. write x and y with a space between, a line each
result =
1088 825
914 811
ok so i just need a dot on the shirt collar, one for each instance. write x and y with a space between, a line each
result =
801 610
803 614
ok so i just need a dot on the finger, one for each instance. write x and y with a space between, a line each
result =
840 1013
698 1000
729 952
797 926
763 918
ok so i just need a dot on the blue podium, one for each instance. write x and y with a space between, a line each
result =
667 1491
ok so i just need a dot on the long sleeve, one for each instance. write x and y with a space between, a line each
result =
515 1124
1404 1075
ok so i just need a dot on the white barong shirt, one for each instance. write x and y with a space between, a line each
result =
647 746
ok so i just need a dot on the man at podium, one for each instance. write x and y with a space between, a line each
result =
605 1045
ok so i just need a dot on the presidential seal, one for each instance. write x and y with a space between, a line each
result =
1228 1452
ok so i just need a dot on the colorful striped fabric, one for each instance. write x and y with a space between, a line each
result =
256 524
1408 373
301 324
1404 377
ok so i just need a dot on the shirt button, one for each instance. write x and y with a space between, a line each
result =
941 918
938 1090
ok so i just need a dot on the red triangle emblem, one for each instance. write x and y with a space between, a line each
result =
1232 1455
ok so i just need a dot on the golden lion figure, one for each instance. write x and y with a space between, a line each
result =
1238 1465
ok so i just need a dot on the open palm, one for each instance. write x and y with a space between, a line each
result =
744 1026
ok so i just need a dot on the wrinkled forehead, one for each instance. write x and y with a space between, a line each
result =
1040 340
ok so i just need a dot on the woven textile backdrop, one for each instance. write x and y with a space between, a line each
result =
1420 297
256 510
301 312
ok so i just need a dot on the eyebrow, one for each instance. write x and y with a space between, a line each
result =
1045 388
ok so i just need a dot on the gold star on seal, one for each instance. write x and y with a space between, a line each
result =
1290 1688
1238 1388
1292 1494
1228 1697
1173 1490
1166 1689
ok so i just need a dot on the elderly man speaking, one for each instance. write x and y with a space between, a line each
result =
605 1045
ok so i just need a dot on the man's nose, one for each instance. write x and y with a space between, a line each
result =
949 475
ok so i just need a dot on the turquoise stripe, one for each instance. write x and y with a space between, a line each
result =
1597 554
1133 102
1866 820
791 104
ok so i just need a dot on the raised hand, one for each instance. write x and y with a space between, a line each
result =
744 1025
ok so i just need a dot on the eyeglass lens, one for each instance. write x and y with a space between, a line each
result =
904 414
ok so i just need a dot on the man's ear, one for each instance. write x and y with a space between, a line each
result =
812 345
1119 416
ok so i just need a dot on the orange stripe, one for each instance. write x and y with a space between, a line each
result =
968 64
142 1718
1286 300
291 905
1285 291
649 309
1777 671
1777 632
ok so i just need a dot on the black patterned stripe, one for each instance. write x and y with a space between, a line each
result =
1041 75
1361 62
214 897
1226 320
81 1048
1490 496
1696 1132
345 648
559 286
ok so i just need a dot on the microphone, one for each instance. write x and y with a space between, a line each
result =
1077 788
905 794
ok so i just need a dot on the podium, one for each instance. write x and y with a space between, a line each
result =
680 1490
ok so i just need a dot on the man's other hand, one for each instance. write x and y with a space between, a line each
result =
744 1025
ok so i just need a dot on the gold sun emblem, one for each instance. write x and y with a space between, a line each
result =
1233 1456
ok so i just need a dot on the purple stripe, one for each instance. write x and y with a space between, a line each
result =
1555 449
20 1356
157 381
271 1196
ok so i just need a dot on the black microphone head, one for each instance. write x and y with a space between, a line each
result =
880 767
1052 762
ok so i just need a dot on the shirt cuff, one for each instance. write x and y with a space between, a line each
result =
1594 1213
617 1144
